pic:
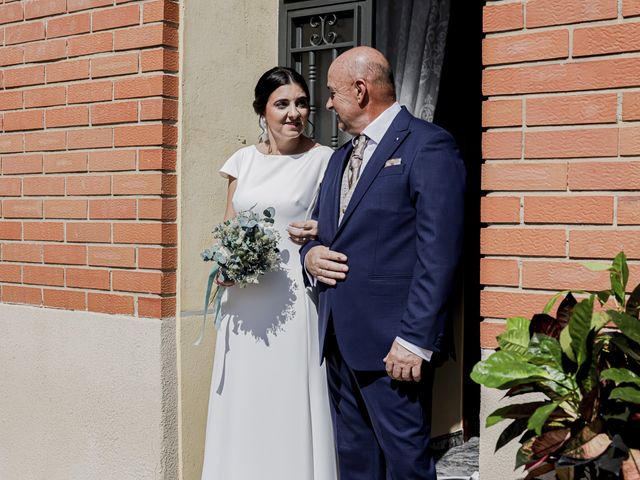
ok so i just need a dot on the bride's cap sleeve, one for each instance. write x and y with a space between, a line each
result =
231 167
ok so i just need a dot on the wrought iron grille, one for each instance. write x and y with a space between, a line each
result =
312 35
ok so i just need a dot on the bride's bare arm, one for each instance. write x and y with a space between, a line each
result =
228 215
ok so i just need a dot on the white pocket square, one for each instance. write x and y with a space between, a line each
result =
393 161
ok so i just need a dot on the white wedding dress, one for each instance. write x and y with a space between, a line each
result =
269 413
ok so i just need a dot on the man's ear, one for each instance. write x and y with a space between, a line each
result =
361 91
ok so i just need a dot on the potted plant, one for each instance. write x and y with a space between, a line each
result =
583 367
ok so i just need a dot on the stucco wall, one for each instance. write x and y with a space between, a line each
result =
86 396
227 46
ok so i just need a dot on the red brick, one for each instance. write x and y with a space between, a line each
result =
124 257
88 44
20 164
157 209
20 77
628 210
572 109
114 65
631 106
157 159
541 13
630 141
143 282
604 176
500 209
89 232
65 299
90 138
562 276
145 135
11 13
116 17
489 332
44 231
43 8
160 10
65 209
501 113
23 33
523 241
604 243
10 187
69 25
37 275
161 258
112 160
75 5
568 210
10 100
22 252
606 39
22 208
145 233
496 304
10 273
159 109
597 142
65 162
65 254
90 92
148 86
89 185
588 75
10 231
11 56
43 186
68 70
503 17
49 140
123 209
630 8
144 184
146 36
11 143
526 47
524 176
47 50
87 278
113 304
17 294
496 271
67 116
24 120
118 112
159 59
156 307
45 97
502 145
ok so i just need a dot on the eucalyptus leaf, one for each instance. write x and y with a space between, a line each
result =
540 416
626 394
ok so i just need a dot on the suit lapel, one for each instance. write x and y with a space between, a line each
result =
395 135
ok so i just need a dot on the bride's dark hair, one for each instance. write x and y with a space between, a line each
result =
273 79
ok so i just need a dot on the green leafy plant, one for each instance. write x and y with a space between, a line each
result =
583 369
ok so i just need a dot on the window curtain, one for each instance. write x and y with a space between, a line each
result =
412 34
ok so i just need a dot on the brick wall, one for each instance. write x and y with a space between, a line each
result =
561 149
87 155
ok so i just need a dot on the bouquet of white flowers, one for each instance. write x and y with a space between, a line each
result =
246 247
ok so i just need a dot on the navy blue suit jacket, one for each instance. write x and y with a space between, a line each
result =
402 235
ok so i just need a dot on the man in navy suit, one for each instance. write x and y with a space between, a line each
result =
390 216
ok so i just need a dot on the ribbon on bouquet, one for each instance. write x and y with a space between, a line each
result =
217 300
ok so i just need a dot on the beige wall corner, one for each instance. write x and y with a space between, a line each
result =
86 396
225 47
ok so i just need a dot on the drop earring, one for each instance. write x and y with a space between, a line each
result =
264 136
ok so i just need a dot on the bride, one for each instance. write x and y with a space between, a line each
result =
268 407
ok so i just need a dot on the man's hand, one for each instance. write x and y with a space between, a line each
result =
303 231
402 365
326 265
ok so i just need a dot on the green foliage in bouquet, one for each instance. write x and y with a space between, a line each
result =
583 367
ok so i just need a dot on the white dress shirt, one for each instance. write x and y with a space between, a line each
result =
375 132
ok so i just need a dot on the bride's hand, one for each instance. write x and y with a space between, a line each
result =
303 231
223 284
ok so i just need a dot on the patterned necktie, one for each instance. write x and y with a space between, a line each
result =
352 174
